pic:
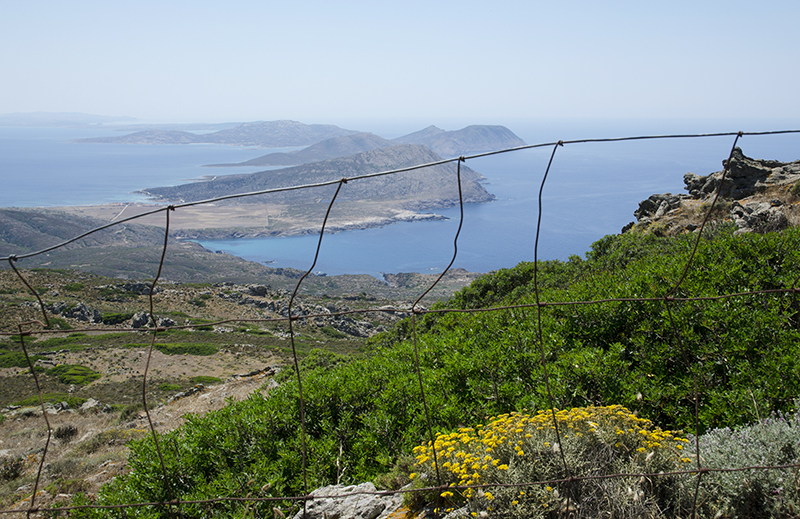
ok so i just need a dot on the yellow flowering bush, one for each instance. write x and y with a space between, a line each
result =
520 448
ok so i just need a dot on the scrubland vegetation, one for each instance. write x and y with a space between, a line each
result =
482 372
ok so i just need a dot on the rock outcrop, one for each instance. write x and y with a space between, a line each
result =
756 195
354 501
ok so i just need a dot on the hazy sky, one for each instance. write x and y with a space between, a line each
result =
328 61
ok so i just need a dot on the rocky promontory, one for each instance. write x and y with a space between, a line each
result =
757 196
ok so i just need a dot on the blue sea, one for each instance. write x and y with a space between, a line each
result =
592 189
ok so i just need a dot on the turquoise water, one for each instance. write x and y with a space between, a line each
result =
592 190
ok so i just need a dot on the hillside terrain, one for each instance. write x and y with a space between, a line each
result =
704 366
133 251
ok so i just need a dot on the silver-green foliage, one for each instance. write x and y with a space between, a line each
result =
768 492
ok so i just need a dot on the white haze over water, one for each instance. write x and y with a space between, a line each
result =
592 189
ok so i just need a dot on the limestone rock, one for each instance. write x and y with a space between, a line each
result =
352 503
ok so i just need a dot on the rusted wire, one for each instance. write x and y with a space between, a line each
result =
539 337
291 336
414 326
22 334
150 355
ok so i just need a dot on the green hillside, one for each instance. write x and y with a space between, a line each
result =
737 357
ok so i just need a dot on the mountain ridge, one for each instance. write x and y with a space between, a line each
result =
265 134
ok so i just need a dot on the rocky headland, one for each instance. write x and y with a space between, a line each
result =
756 196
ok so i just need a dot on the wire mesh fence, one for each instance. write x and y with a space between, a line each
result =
674 296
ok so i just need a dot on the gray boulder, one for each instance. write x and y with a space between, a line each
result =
140 320
346 502
658 205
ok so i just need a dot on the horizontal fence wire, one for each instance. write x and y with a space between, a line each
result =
173 505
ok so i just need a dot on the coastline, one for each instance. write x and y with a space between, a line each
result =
220 222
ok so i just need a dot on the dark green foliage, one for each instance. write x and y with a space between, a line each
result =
364 413
15 359
65 433
332 332
11 468
74 341
58 323
73 374
795 189
74 287
116 318
52 398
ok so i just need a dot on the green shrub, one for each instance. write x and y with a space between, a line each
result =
15 359
74 374
364 413
332 332
167 387
187 348
74 287
58 323
795 190
52 398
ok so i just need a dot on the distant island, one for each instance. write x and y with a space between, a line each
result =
334 141
333 153
272 134
60 119
472 139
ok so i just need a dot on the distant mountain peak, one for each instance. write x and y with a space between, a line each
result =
471 139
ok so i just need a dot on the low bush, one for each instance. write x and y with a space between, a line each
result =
753 493
11 468
15 359
116 318
65 433
517 449
795 189
52 398
74 374
187 348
